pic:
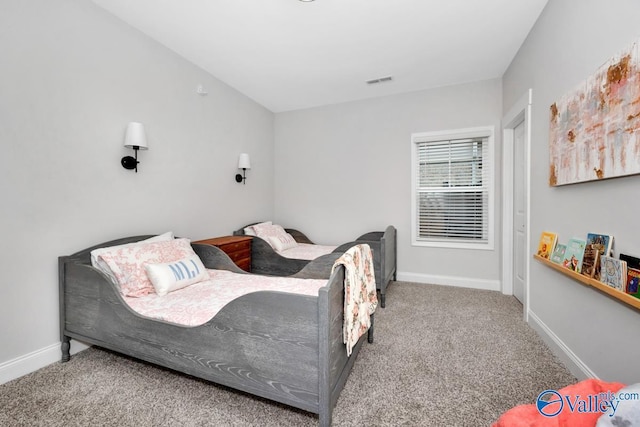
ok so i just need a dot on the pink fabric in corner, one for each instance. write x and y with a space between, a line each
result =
528 415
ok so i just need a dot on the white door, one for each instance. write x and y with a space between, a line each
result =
519 212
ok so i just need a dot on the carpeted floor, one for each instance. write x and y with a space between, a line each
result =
442 356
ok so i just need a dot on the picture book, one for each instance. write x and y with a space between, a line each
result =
633 274
613 272
574 254
591 260
604 243
633 280
547 244
632 261
558 253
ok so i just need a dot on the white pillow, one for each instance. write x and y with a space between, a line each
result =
171 276
282 242
248 231
101 265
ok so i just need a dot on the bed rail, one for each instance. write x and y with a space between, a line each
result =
384 248
264 260
389 262
335 365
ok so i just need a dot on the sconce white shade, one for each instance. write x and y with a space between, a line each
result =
244 162
135 136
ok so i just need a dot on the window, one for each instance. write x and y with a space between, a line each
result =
452 179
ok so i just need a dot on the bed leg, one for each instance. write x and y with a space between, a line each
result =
370 333
324 420
65 347
383 299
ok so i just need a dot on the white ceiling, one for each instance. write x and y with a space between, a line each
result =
288 54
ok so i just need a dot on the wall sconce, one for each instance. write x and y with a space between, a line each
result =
134 138
244 163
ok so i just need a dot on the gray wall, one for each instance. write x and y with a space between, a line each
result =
72 77
570 41
345 169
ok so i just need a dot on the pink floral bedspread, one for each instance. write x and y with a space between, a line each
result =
198 303
307 251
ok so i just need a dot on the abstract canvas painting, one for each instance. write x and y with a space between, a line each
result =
593 132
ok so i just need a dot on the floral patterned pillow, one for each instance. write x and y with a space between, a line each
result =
282 242
102 266
250 231
127 263
275 235
266 229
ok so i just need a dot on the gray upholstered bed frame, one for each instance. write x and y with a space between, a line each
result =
280 346
265 260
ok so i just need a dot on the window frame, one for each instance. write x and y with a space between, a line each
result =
487 132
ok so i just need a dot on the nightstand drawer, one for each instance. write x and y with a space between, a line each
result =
238 255
230 248
238 248
244 264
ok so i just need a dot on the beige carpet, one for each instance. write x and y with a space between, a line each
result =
442 356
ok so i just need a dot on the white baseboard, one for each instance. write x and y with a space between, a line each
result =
462 282
33 361
560 349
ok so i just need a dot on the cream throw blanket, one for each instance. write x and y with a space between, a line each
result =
360 299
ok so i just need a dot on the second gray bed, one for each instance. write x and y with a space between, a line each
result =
265 260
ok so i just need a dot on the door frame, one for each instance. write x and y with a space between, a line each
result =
520 111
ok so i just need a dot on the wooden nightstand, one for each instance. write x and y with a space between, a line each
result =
237 247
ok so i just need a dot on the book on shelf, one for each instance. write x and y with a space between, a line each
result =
591 260
633 282
632 261
546 244
633 275
613 272
604 243
574 254
558 253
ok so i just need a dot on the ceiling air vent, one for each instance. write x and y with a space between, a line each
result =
379 80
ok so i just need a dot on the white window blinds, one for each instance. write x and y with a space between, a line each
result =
452 185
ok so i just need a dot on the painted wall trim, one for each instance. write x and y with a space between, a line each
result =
519 112
461 282
560 349
35 360
418 138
